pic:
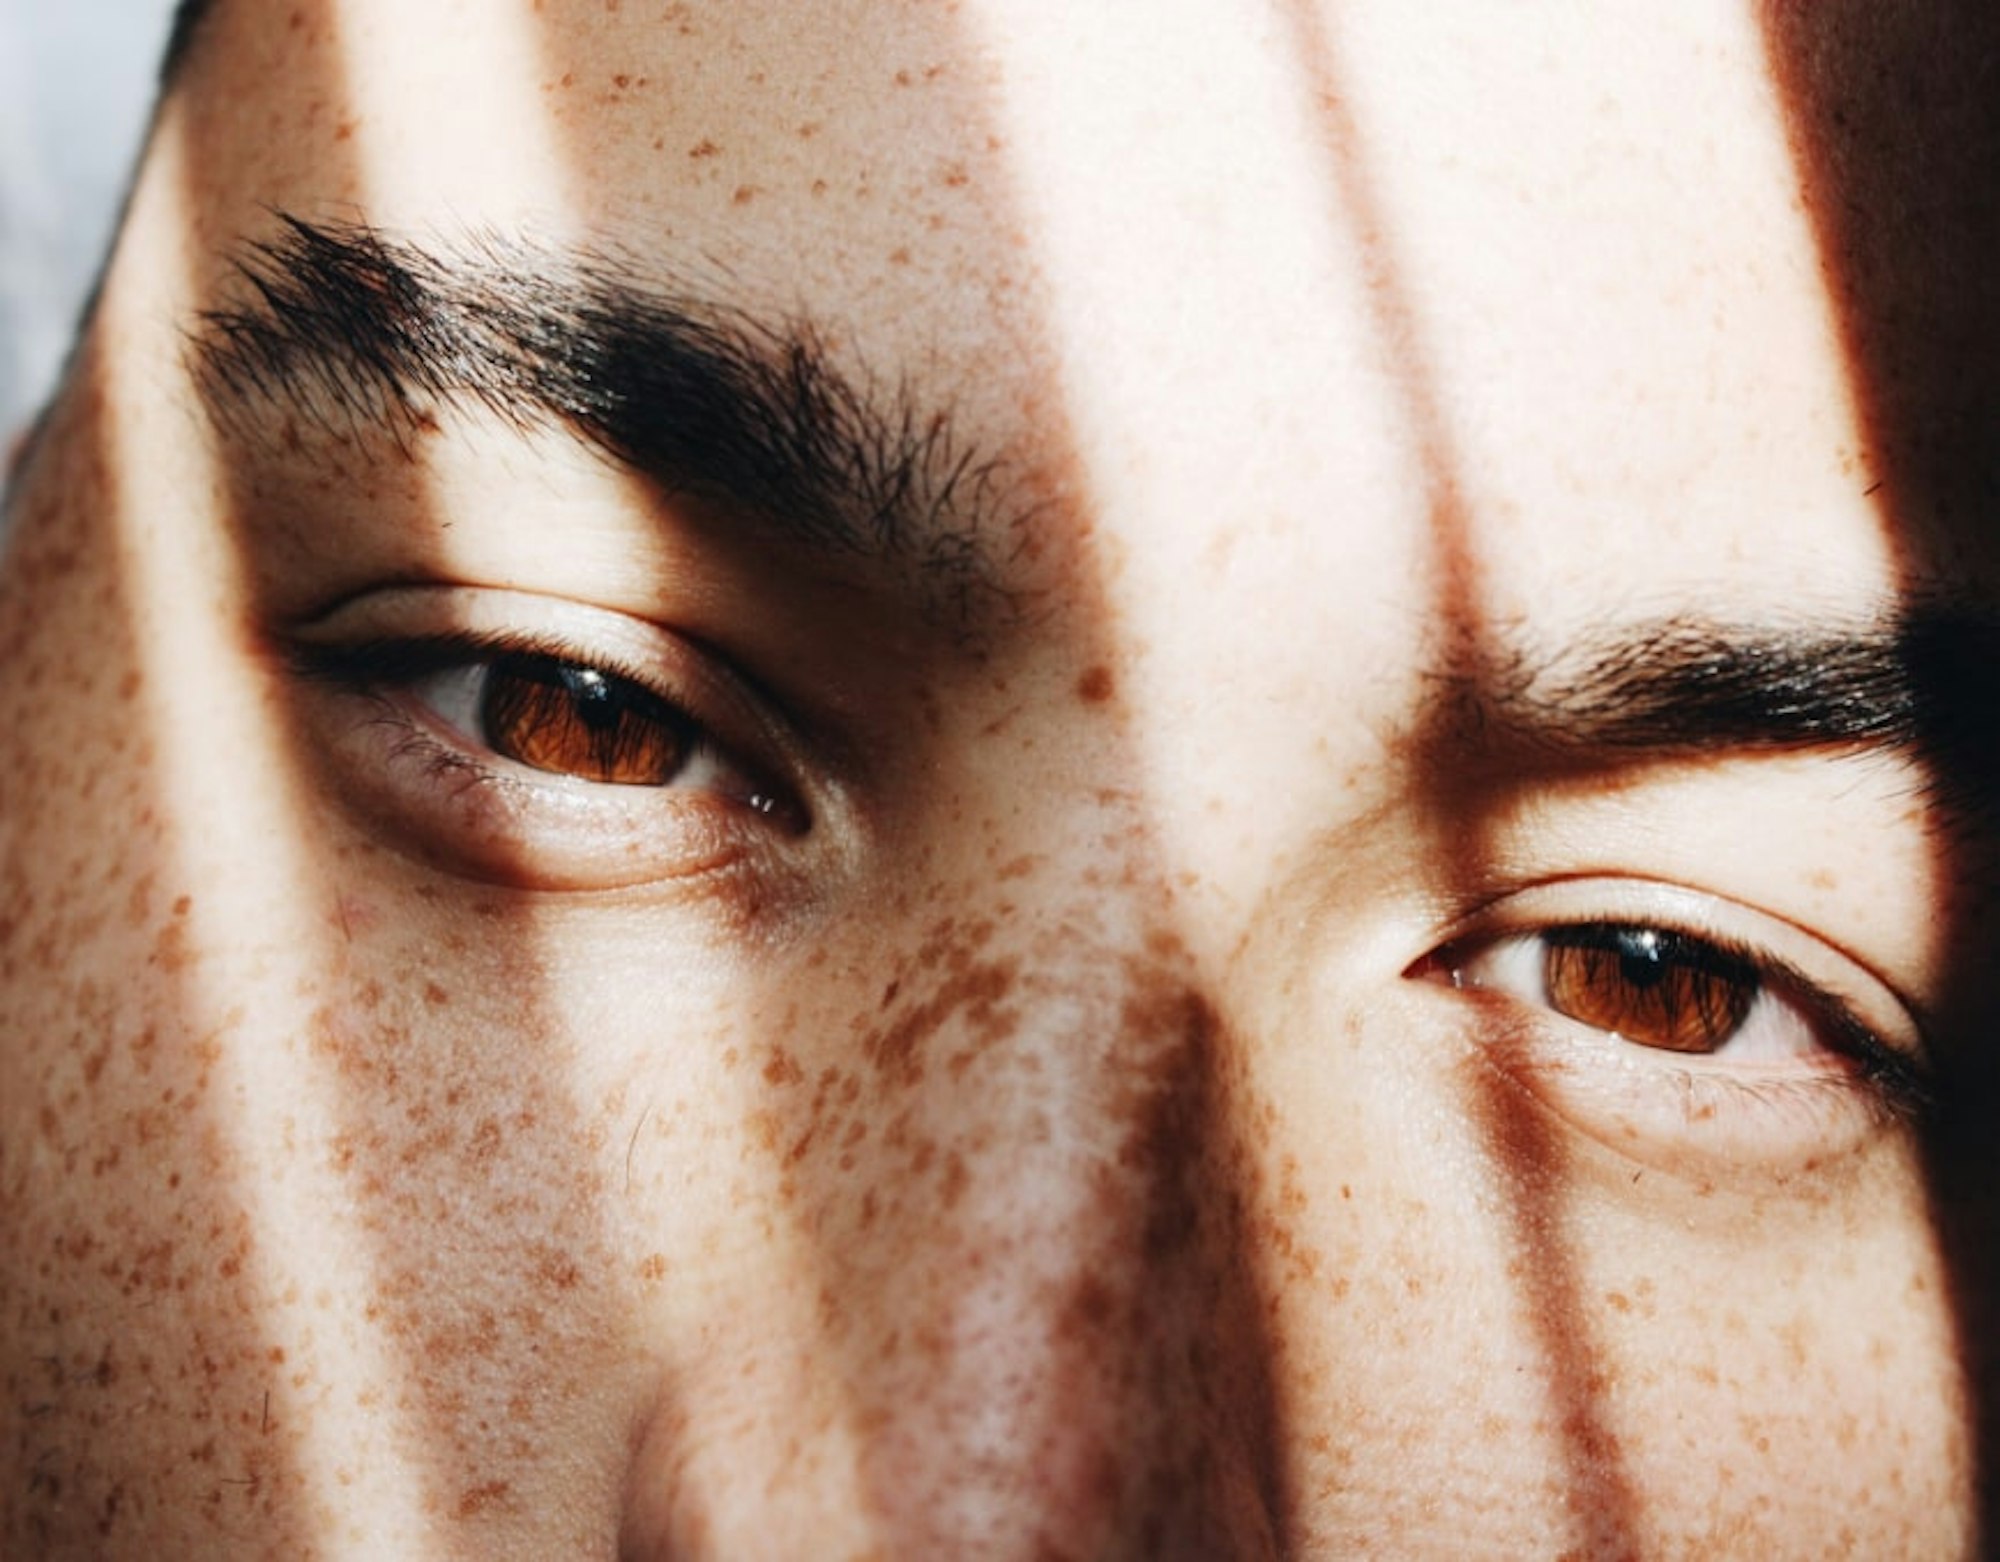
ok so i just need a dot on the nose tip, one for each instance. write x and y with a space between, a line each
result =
1033 1329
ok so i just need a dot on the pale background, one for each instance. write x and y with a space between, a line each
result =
76 81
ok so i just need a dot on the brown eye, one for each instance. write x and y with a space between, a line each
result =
1650 986
574 720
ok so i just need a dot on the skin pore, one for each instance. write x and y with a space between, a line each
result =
895 780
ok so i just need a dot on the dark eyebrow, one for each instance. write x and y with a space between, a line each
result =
355 330
1916 682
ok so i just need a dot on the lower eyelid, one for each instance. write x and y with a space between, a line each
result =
1784 1104
1834 1100
486 819
1660 1111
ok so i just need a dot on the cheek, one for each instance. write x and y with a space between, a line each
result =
1481 1323
302 1209
1787 1366
121 1222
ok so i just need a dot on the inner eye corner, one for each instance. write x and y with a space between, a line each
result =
1435 966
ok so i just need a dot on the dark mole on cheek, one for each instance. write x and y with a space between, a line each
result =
1096 686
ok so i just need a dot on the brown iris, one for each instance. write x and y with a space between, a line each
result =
1650 986
577 721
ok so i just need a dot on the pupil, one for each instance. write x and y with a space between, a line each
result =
1639 961
1641 970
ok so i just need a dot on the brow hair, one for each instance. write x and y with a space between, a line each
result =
1915 680
354 330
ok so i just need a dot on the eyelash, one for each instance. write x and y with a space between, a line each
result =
1892 1079
391 673
396 661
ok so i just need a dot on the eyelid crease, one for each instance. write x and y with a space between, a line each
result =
404 659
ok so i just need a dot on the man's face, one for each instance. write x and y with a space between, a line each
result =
880 779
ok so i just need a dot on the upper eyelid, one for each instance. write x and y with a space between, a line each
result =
1903 1074
403 659
1709 916
402 662
722 728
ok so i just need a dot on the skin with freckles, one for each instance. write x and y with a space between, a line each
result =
978 779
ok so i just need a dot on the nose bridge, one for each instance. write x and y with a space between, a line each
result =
1038 1302
1014 1172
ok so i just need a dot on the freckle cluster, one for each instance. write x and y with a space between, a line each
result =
1133 1167
121 1219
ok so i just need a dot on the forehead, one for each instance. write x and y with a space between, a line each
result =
1347 273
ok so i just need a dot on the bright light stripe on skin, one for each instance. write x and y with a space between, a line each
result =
455 179
1594 278
426 141
200 701
1192 270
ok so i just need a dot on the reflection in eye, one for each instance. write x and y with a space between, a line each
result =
1648 985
